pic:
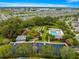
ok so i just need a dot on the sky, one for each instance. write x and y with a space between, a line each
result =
39 3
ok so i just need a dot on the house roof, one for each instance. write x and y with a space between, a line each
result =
21 38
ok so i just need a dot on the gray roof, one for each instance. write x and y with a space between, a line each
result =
21 38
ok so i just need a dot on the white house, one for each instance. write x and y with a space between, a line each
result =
21 38
58 33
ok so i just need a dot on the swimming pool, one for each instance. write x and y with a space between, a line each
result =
53 33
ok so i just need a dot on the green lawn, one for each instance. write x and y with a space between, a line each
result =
57 41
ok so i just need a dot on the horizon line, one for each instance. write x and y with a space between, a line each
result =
34 7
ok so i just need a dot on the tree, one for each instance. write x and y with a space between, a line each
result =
66 36
47 51
29 37
12 27
6 51
45 36
51 37
24 50
48 20
67 53
69 42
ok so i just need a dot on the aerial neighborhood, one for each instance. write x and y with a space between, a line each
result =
42 32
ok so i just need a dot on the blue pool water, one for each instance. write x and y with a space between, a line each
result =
53 33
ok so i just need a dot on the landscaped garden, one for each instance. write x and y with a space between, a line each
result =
37 30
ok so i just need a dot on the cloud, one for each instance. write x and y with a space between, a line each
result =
71 1
6 4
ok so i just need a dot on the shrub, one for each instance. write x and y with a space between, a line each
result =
67 53
6 51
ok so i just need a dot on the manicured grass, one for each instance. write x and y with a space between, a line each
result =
57 41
